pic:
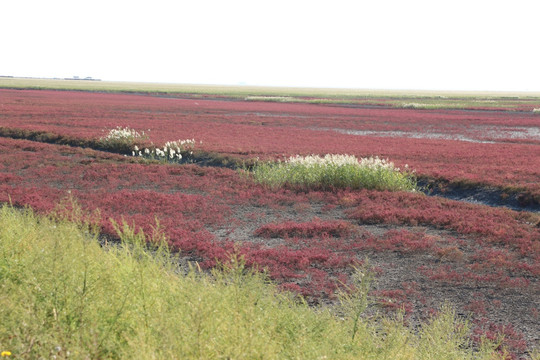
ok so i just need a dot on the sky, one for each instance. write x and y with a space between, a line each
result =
378 44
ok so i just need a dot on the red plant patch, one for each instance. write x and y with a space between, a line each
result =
489 225
308 229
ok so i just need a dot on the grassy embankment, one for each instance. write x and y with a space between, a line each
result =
63 295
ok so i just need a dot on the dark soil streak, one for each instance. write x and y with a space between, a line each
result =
489 196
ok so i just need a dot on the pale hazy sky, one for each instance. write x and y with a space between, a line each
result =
385 44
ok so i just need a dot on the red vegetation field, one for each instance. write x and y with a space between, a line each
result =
424 250
274 130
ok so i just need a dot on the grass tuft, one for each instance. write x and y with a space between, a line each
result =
334 172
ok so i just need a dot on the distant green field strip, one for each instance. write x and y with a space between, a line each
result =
242 91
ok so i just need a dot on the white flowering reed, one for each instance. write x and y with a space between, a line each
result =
328 159
334 171
376 163
422 105
413 106
171 151
270 98
123 134
123 139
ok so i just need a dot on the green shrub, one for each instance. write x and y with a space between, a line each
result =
334 172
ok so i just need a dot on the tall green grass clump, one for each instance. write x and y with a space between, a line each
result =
334 172
62 295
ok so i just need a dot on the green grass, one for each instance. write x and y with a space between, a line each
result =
415 99
333 172
62 295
